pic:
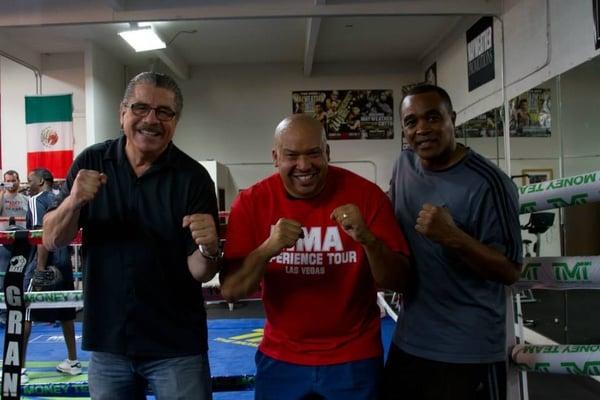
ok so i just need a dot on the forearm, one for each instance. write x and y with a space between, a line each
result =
484 260
390 270
61 225
241 283
42 258
202 269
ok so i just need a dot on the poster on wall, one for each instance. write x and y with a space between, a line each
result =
480 52
488 124
349 114
597 21
530 116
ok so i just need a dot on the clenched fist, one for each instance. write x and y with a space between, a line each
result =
436 223
285 233
204 231
351 220
86 185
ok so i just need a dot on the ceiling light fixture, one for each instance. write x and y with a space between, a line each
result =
142 38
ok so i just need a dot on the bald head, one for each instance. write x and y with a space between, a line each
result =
301 155
299 123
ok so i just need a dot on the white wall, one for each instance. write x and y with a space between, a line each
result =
580 116
63 73
104 87
231 111
570 30
15 83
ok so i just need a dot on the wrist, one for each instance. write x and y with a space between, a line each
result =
72 204
213 256
368 239
265 252
457 240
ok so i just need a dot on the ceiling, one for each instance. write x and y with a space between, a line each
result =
232 32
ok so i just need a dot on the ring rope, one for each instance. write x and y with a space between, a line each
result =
571 359
558 193
560 273
56 299
233 383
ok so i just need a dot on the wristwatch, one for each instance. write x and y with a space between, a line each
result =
211 257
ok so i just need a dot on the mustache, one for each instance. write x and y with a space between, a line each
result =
154 128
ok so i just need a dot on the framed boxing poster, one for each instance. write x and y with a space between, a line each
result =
349 114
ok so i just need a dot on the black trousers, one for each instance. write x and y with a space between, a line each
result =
407 377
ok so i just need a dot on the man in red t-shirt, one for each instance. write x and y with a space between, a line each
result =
320 240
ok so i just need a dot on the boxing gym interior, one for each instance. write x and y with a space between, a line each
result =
524 78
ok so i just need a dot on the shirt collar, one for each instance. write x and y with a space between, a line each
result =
116 151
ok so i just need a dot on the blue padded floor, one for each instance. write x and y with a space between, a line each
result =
232 343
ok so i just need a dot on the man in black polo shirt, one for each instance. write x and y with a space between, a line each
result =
148 213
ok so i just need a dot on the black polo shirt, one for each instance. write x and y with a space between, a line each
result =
140 298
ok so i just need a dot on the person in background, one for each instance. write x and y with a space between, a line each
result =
460 215
49 271
149 214
320 240
12 203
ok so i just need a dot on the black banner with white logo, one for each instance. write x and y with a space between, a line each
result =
480 52
15 307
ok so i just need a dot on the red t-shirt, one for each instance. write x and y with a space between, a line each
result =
319 296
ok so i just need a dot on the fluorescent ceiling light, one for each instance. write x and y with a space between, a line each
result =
143 39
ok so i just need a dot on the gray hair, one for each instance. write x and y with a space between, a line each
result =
159 80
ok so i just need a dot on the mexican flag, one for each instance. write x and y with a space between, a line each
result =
49 122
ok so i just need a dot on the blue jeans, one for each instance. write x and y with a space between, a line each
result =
117 377
355 380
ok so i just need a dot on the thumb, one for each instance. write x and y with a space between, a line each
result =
186 221
103 178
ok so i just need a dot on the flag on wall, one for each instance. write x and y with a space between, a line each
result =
49 122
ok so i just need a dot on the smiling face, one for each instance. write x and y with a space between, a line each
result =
147 136
301 156
428 125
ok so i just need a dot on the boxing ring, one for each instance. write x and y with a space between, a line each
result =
558 273
15 300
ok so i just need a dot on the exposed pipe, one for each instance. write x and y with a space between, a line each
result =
36 71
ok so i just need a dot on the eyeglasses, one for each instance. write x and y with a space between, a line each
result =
162 113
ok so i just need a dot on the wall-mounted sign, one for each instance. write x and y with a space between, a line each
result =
480 52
